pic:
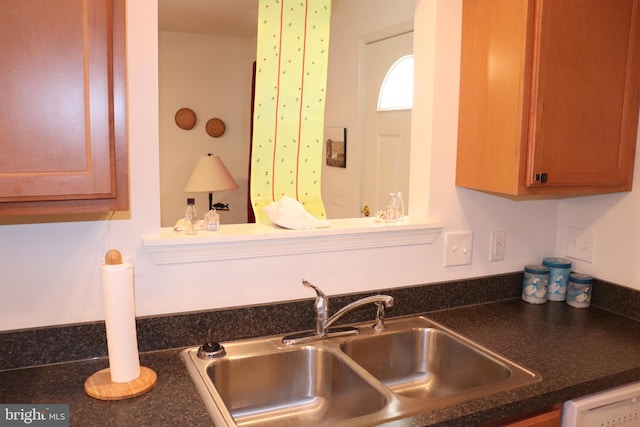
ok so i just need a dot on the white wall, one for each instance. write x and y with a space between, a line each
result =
212 76
612 219
50 272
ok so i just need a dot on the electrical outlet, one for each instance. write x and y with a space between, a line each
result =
336 196
580 243
497 241
458 248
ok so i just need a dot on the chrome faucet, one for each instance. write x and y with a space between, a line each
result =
324 322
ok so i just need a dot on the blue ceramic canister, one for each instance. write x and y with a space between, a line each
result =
534 285
559 269
579 290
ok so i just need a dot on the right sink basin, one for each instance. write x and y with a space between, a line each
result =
425 363
420 360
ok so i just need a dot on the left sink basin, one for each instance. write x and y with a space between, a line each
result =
295 387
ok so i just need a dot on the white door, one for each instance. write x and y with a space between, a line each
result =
387 134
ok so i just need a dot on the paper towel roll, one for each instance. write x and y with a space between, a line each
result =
119 307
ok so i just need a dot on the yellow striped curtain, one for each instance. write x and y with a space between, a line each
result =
291 80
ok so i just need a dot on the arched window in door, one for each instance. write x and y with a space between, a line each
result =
396 92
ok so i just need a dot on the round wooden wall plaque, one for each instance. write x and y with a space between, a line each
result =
185 118
215 127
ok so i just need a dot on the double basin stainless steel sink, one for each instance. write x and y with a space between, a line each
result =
414 366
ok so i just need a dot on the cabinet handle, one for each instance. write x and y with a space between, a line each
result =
540 177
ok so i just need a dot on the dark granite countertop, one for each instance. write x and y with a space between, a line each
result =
577 352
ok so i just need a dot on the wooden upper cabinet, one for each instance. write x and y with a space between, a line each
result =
62 116
549 96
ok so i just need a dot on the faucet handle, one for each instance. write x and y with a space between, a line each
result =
315 288
380 326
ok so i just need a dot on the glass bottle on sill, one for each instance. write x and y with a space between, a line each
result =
399 207
191 218
392 208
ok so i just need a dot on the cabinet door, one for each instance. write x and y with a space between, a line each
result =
494 94
63 139
585 93
547 419
549 96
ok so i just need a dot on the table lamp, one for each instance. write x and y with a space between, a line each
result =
210 175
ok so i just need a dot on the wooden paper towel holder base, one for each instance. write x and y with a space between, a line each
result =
100 386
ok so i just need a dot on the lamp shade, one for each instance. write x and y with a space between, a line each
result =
210 175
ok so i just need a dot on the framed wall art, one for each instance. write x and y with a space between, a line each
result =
336 147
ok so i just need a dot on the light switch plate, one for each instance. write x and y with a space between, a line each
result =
497 241
458 247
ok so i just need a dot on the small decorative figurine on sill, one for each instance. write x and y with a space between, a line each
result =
221 206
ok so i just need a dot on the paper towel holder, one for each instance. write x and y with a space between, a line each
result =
100 386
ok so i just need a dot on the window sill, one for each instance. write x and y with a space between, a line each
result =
243 241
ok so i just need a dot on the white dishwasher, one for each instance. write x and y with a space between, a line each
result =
617 407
